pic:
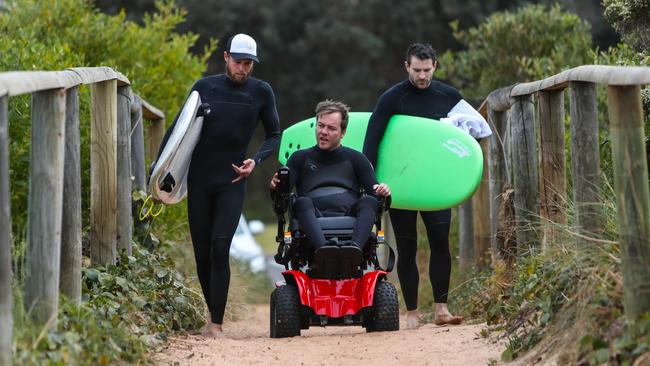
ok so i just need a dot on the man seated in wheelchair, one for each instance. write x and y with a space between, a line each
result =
332 180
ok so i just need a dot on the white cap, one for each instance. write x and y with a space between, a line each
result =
243 46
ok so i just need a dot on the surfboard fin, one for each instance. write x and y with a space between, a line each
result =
203 110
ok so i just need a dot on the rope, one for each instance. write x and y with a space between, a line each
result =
149 210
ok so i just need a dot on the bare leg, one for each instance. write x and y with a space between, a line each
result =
443 316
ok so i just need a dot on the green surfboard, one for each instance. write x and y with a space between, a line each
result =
428 165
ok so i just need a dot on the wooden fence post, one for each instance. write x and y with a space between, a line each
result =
156 133
70 283
138 169
465 235
124 219
585 159
6 295
552 176
632 197
45 205
481 215
498 172
525 175
103 172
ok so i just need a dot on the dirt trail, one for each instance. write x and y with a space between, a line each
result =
247 343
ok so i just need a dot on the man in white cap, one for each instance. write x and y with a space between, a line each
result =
219 166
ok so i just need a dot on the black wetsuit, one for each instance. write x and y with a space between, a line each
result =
434 102
329 183
214 203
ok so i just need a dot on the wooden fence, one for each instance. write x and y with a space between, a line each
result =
53 254
540 186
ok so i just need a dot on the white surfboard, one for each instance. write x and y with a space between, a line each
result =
168 182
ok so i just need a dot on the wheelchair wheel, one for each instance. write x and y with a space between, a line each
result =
384 315
285 312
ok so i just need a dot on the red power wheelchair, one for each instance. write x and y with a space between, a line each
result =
343 286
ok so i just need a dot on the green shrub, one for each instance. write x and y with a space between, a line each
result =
130 307
526 45
54 35
631 18
127 310
568 299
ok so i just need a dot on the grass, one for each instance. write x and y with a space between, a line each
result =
128 309
246 288
266 239
563 302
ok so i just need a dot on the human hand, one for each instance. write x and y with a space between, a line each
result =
275 181
243 171
381 189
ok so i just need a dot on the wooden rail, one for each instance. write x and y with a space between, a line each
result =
540 188
53 258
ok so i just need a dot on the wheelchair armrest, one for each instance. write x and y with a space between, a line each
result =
281 202
383 204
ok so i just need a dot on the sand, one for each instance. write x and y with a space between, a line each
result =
247 342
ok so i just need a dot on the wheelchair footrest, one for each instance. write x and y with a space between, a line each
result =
337 262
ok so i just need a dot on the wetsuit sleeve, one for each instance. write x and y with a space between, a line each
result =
171 128
377 126
365 173
271 123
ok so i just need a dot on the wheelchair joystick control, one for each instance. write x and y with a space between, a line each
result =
282 193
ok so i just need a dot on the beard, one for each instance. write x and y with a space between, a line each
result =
237 78
420 84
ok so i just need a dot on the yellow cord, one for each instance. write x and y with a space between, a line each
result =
148 211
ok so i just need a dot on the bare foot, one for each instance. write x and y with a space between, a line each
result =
448 319
412 319
212 330
443 316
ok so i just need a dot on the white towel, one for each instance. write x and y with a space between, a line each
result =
465 117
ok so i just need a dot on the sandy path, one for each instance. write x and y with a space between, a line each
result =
248 344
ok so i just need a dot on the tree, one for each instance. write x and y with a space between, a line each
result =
36 35
631 18
529 44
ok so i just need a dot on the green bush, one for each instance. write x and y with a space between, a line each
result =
130 307
54 35
631 18
568 299
526 45
127 310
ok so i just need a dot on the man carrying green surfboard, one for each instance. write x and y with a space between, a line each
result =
421 96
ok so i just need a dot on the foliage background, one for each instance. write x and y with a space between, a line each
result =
129 308
54 35
348 50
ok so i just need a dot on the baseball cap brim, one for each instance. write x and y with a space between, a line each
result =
244 56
